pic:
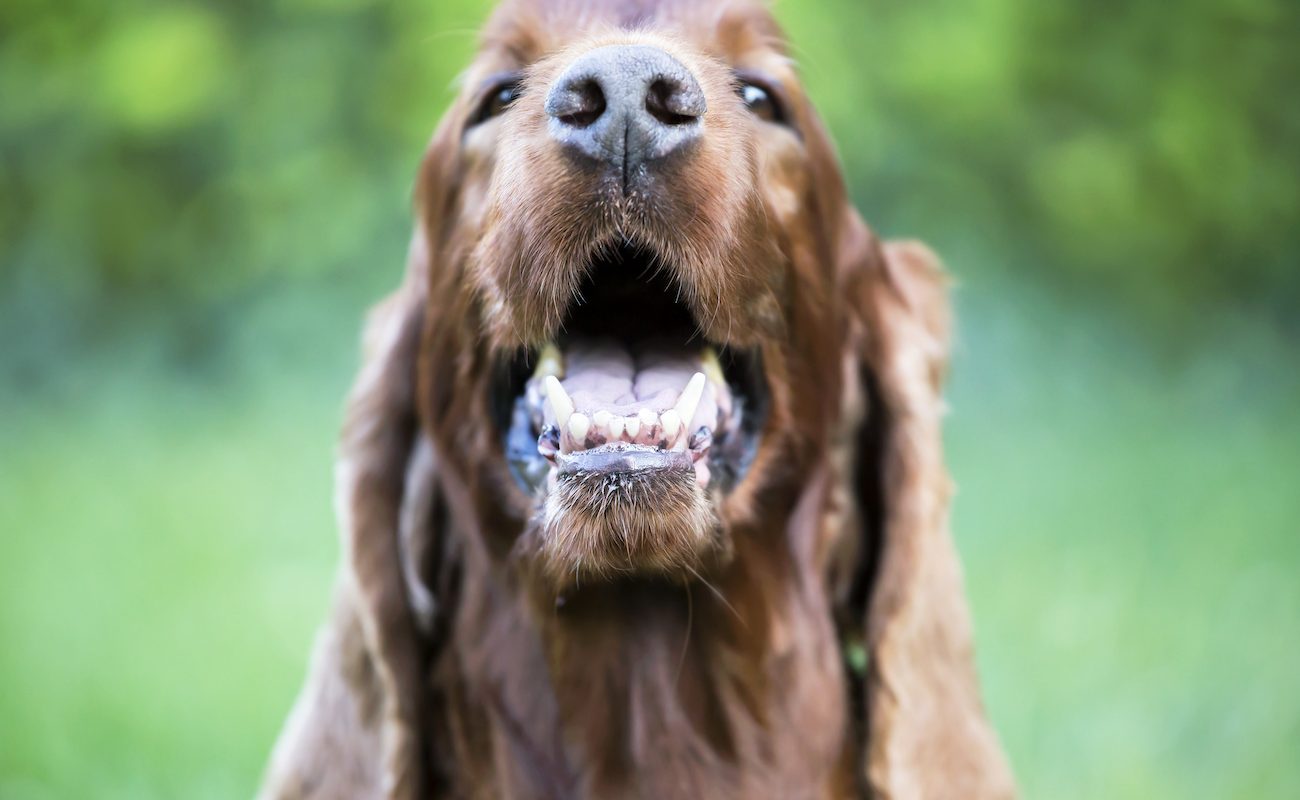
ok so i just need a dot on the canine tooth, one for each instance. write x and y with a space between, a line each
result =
633 426
713 367
549 362
690 398
615 427
561 403
578 427
672 424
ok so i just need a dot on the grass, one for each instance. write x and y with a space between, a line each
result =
1129 527
168 550
1129 522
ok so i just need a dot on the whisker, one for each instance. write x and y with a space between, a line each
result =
718 594
686 641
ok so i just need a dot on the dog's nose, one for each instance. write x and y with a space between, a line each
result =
627 105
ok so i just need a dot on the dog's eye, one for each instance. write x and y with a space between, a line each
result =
762 102
498 98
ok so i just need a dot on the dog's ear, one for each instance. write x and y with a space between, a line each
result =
354 729
925 728
389 502
357 727
381 469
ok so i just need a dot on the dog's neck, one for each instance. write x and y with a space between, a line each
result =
649 689
649 679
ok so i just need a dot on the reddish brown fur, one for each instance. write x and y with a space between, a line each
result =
479 650
661 522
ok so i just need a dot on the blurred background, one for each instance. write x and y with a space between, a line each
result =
199 200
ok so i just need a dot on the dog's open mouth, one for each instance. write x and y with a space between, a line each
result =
629 387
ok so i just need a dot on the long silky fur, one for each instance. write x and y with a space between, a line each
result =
649 639
658 522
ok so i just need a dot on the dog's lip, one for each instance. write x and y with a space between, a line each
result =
623 458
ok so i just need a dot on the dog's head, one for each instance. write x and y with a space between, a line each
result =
643 334
633 220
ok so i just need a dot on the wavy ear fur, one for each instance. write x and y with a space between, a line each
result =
926 732
354 731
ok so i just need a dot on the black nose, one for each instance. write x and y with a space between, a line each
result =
626 105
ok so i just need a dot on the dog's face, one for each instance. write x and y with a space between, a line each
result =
633 342
643 339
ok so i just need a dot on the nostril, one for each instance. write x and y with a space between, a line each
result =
673 104
625 106
579 104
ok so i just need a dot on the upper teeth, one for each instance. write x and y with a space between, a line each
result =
713 367
549 362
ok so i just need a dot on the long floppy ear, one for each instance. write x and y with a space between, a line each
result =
926 731
355 730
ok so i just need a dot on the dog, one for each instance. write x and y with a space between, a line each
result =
641 486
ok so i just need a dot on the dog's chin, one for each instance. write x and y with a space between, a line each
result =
600 526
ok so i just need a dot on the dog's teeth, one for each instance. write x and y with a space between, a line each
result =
633 426
712 367
649 420
614 427
578 427
672 424
561 403
550 361
690 398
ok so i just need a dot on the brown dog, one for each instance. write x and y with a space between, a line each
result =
641 484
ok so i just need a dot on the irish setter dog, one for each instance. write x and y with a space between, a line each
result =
641 487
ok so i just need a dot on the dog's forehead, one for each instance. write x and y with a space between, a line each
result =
524 31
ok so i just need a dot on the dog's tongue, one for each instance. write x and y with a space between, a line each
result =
606 379
602 375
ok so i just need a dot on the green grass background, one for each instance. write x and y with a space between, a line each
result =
201 199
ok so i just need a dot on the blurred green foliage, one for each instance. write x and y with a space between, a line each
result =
1139 151
197 200
1145 153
